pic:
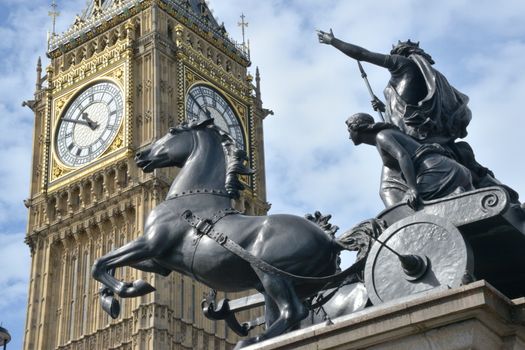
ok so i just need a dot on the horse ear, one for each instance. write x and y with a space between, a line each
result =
205 122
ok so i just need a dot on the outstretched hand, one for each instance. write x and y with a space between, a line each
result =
326 38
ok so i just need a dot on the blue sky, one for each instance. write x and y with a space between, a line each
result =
311 165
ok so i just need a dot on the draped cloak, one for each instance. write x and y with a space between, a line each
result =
443 113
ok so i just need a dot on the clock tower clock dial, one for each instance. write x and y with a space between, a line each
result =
89 124
205 102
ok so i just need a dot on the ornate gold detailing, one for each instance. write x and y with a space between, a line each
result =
181 115
95 64
129 26
236 52
178 35
58 171
254 152
240 108
190 78
117 143
216 74
61 103
118 74
84 30
66 177
201 57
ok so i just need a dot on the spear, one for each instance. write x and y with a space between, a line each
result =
365 78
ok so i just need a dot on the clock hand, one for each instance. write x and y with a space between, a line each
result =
76 121
205 110
91 123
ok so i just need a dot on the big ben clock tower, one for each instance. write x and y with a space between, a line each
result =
124 73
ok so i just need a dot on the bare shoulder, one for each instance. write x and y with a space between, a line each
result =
392 137
387 133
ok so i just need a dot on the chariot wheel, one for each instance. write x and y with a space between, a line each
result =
431 253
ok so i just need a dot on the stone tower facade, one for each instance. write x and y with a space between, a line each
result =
116 81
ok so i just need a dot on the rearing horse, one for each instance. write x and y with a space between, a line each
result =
208 180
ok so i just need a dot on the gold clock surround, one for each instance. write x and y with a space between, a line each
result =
64 94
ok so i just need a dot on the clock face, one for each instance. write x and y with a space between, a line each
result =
204 101
89 124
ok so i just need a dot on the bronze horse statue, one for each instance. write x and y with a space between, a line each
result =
195 232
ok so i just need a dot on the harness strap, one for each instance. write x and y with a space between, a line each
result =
206 227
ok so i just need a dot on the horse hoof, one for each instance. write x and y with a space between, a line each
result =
110 305
136 289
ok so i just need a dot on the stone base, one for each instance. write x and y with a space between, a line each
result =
475 316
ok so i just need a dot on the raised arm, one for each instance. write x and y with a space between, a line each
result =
354 51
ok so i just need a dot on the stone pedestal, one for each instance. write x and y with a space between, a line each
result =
475 316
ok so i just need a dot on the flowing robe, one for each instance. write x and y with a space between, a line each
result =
443 113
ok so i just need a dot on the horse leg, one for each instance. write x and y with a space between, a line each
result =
131 253
151 265
139 287
290 310
271 311
109 303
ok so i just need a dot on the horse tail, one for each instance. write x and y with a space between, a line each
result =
360 237
323 222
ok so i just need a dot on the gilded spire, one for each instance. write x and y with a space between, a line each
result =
243 24
54 14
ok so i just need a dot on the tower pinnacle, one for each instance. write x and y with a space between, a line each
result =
243 26
54 14
39 75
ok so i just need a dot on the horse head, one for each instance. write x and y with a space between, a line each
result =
216 160
173 149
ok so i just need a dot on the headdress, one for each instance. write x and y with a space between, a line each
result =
405 44
359 121
407 48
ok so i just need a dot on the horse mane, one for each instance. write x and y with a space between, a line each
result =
235 157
